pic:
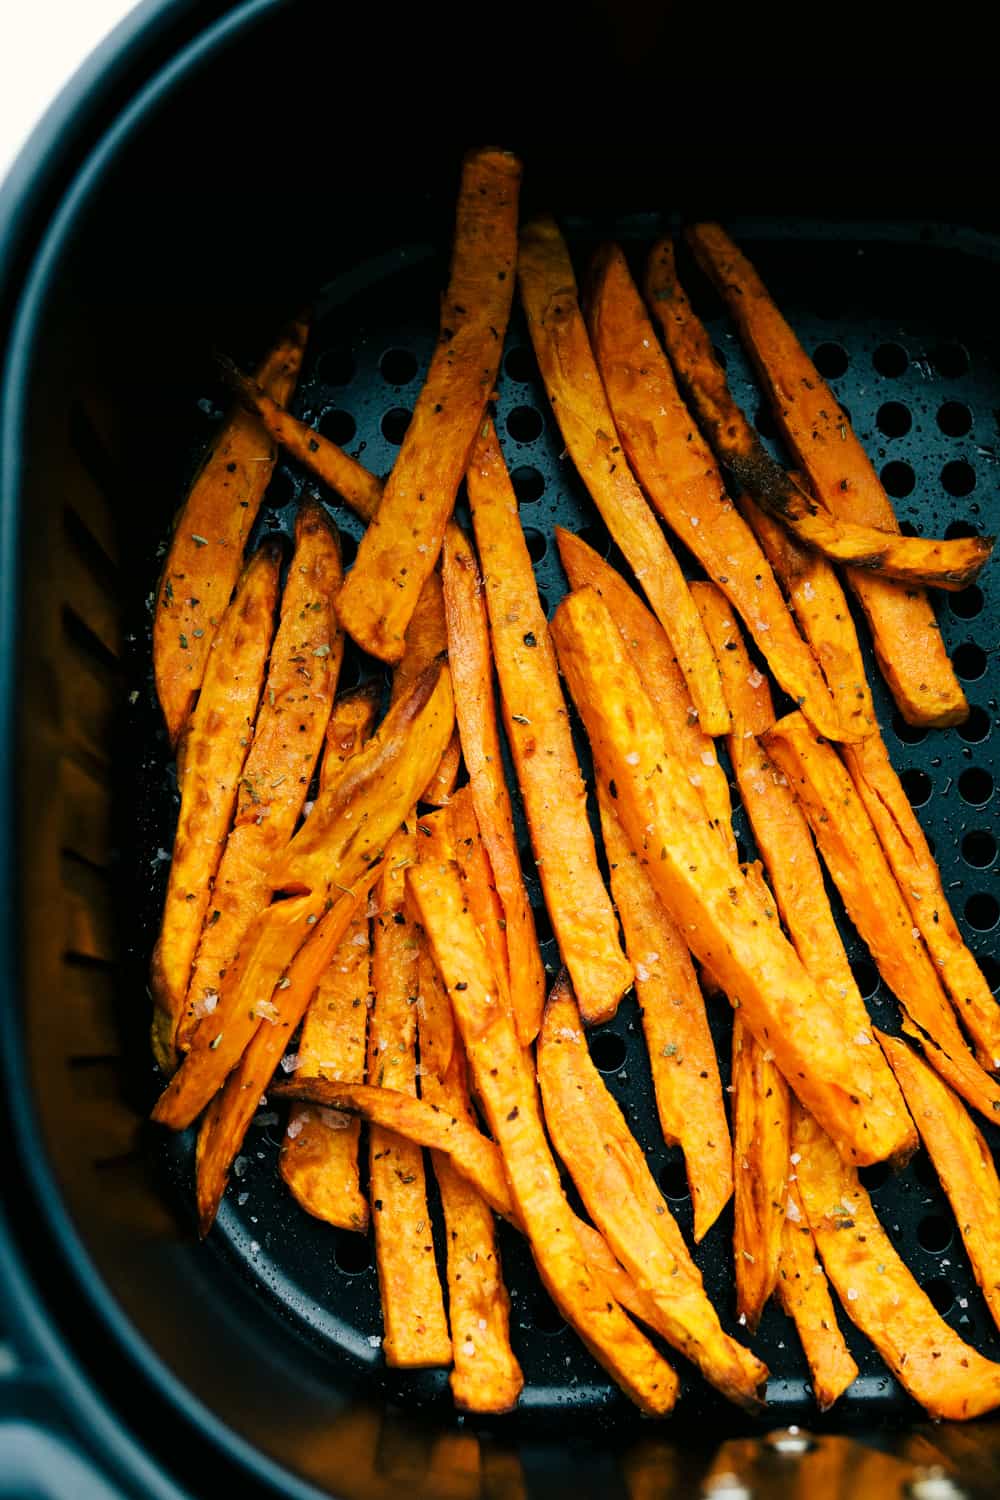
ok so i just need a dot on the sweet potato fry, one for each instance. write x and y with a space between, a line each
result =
562 347
228 1117
962 1160
605 1161
471 669
653 658
507 1093
805 1296
760 1169
215 750
681 1051
480 895
427 642
349 726
287 737
675 467
703 888
439 789
205 555
416 1330
907 642
541 744
404 537
948 1377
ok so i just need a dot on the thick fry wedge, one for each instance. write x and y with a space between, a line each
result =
681 1051
675 467
507 1093
907 642
416 1330
541 744
653 658
854 857
962 1160
605 1161
471 669
215 750
948 1377
562 347
404 537
287 738
703 888
350 725
805 1296
205 555
760 1170
480 895
228 1117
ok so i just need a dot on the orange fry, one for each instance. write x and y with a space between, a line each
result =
805 1296
760 1168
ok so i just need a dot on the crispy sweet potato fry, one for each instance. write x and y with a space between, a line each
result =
805 1296
439 789
215 750
760 1169
471 669
291 721
653 658
427 642
681 1051
205 555
878 1293
609 1169
907 642
507 1092
416 1330
228 1116
480 895
562 347
404 537
675 467
704 889
350 725
538 732
963 1162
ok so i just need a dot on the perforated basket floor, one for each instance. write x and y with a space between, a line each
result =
904 324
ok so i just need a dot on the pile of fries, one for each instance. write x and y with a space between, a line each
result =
374 949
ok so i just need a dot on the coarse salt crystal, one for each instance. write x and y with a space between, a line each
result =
207 1003
375 1340
240 1166
266 1010
916 933
482 1322
852 1295
295 1124
755 678
254 1247
243 1198
795 1158
792 1211
307 808
334 1119
641 972
469 1348
632 758
360 939
708 757
863 1039
694 779
292 1061
694 521
808 592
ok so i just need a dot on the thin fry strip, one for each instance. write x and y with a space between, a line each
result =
652 655
760 1168
610 1172
724 923
681 1051
907 641
480 895
228 1116
205 555
404 537
427 642
215 749
438 791
854 857
506 1090
962 1160
562 348
541 744
416 1330
879 1294
475 709
675 467
804 1294
291 721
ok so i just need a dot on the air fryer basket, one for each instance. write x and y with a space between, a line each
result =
189 230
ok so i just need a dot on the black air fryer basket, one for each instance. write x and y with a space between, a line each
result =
213 167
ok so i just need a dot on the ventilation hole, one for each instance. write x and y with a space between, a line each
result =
875 1176
957 529
765 423
607 1050
925 1171
917 785
348 548
979 849
907 528
975 786
969 661
394 424
865 977
959 478
543 600
524 424
967 603
545 1316
910 734
336 367
281 490
831 360
976 727
890 360
894 419
939 1290
982 911
898 479
529 484
543 924
950 360
991 971
720 355
934 1233
954 419
673 1181
596 536
338 426
520 364
537 545
398 366
352 1252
